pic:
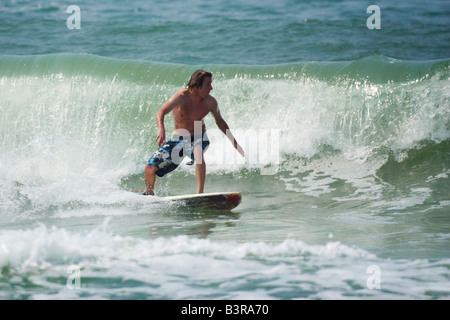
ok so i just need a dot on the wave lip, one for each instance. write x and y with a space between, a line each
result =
374 68
65 107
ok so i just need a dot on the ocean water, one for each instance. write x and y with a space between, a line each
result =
346 188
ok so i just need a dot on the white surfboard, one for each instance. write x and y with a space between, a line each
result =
217 200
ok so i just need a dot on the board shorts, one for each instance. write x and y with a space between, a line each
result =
168 157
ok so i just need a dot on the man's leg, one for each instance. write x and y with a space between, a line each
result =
200 169
149 175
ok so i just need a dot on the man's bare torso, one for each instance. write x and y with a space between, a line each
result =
188 111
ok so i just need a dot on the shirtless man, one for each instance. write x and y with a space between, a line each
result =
188 106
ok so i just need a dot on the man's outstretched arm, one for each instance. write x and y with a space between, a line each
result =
223 126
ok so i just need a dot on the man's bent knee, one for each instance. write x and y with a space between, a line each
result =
150 169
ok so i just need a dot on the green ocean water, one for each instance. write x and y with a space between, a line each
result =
346 130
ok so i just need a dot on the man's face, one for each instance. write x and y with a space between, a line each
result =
206 87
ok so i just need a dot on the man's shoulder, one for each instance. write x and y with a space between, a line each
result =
181 93
212 102
179 96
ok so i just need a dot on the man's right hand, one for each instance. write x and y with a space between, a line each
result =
161 138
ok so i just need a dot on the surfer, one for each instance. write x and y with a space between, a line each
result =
188 106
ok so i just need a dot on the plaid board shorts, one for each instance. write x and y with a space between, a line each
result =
168 157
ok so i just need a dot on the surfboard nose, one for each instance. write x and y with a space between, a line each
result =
234 199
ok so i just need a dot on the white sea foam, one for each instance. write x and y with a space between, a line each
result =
230 270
